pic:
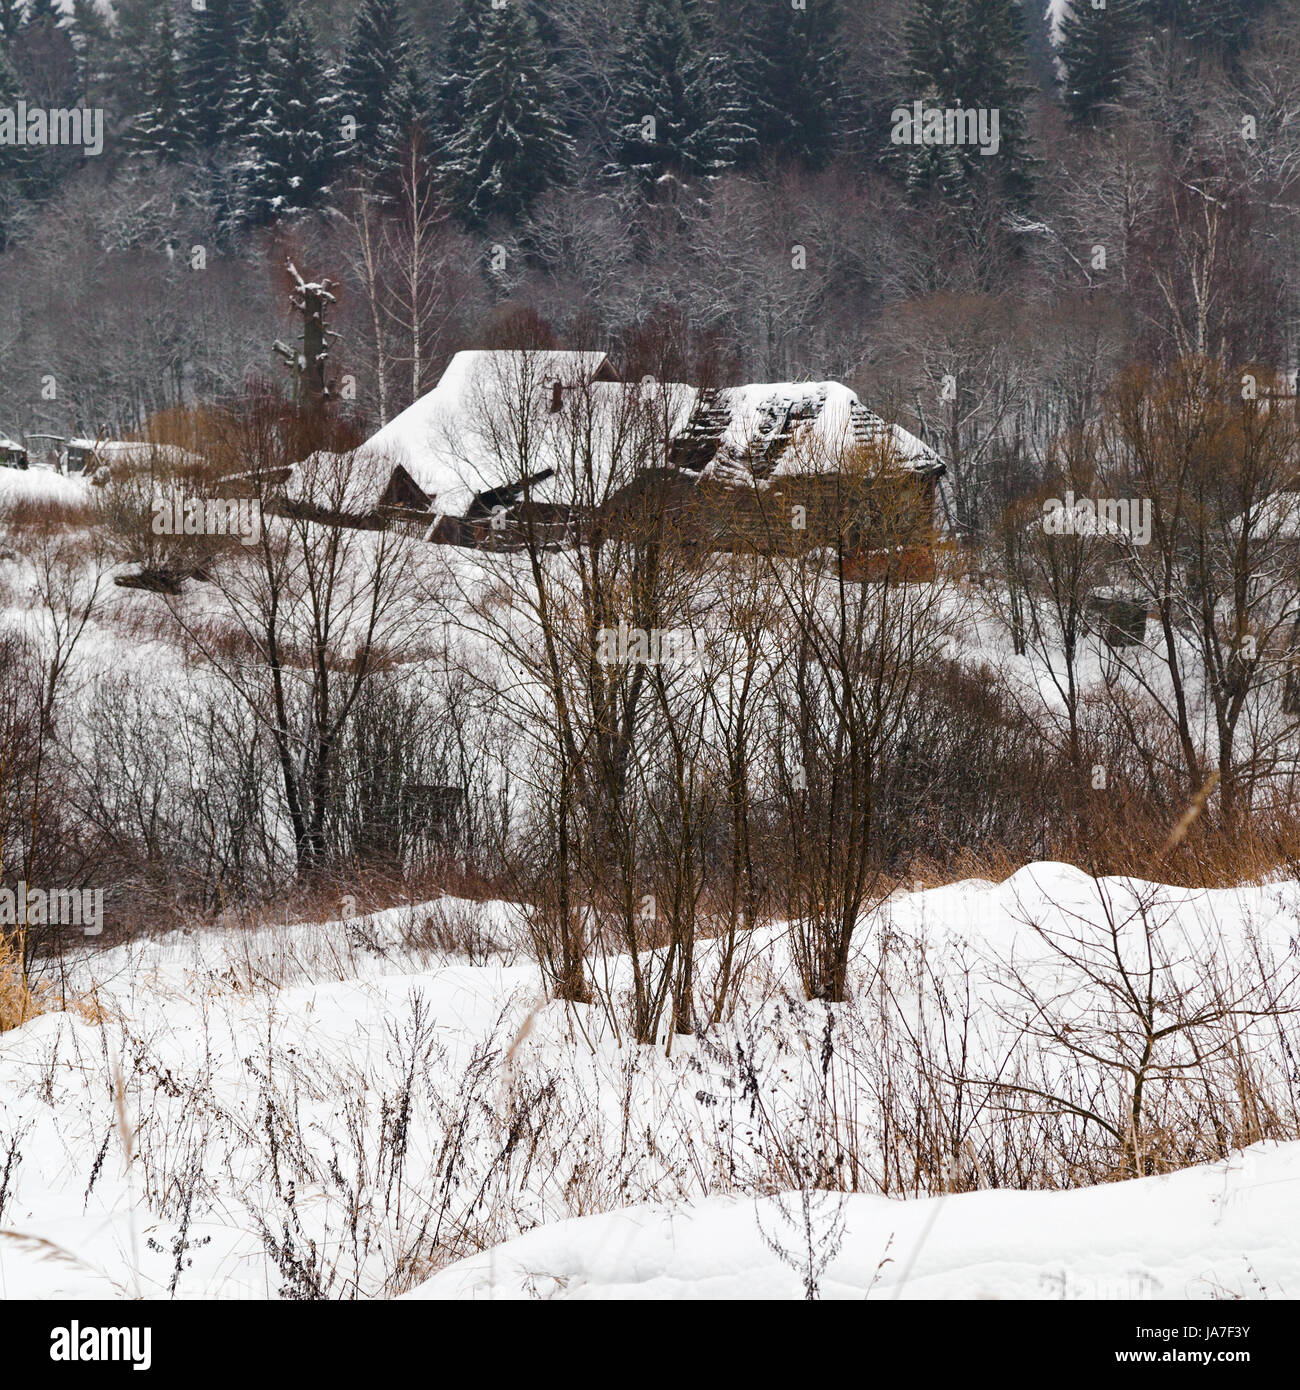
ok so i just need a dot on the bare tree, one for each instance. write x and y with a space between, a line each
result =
310 613
1216 457
857 636
1141 1023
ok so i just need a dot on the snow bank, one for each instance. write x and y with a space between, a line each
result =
1226 1230
41 485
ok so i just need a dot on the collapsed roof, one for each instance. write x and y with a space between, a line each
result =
748 434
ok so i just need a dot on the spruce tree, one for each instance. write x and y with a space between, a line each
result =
934 166
376 57
512 145
264 26
11 19
15 160
464 38
291 148
736 133
933 38
1096 49
969 54
793 73
44 57
209 69
91 40
676 112
42 14
1219 24
992 77
160 128
406 120
129 62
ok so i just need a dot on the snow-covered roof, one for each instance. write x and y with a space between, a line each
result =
1276 519
490 421
134 451
774 429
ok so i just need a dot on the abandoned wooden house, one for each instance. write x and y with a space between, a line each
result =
46 450
460 462
516 447
786 468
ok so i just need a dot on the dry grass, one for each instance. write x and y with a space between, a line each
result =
1194 849
25 515
21 998
925 872
138 616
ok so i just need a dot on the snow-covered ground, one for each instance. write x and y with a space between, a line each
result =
1226 1230
348 1108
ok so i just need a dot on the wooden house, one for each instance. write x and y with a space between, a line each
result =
12 454
784 469
515 447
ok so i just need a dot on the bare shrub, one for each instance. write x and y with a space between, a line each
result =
454 927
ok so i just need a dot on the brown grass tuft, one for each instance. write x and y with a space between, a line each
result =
21 998
47 515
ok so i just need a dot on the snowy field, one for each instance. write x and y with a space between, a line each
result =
389 1105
